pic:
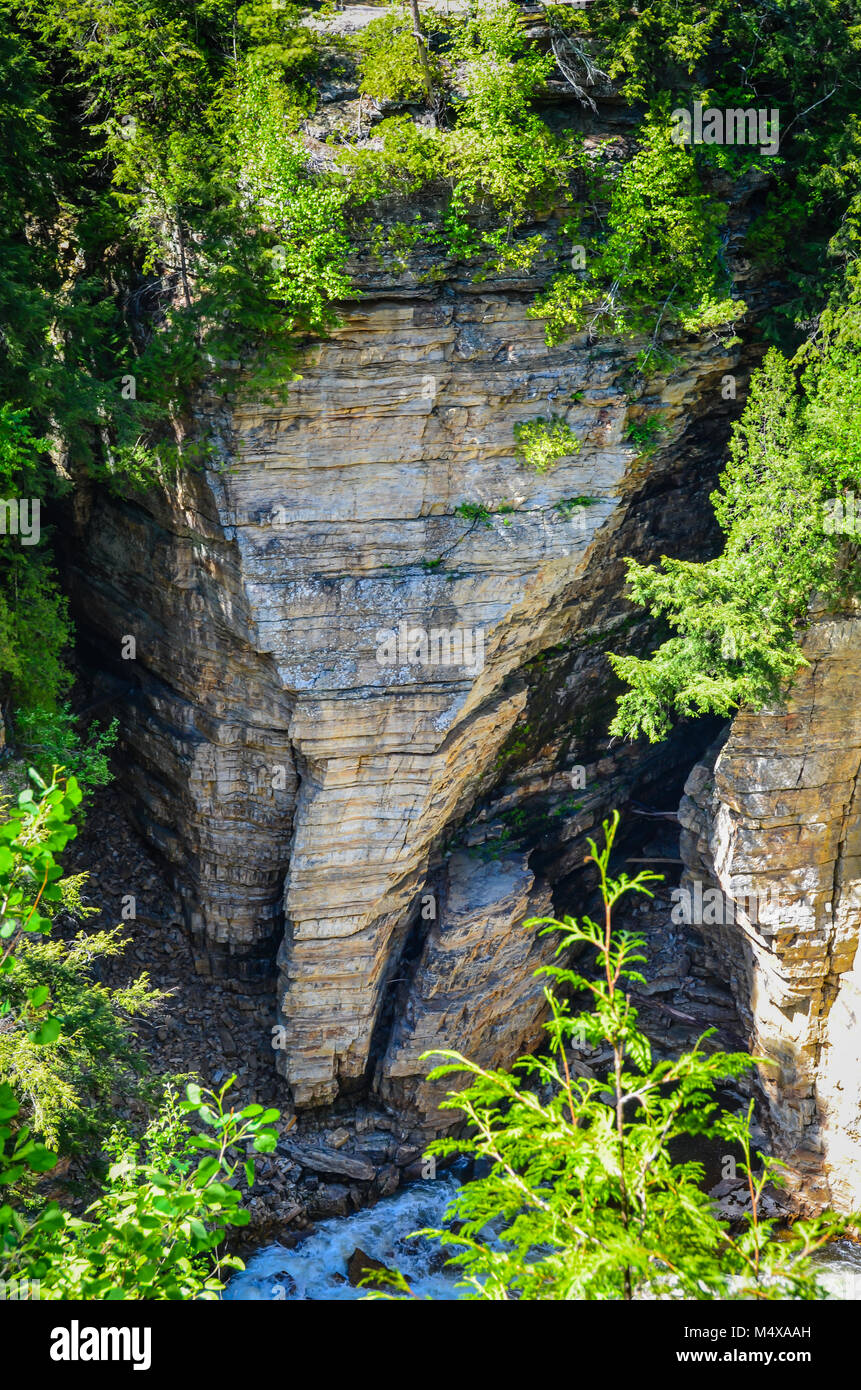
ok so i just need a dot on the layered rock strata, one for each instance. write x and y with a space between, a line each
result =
773 822
290 754
475 986
370 617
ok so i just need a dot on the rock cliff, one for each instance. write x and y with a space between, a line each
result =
367 637
772 822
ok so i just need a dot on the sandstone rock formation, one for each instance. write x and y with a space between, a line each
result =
474 988
298 755
292 776
773 821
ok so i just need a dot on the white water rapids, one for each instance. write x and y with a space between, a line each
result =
317 1268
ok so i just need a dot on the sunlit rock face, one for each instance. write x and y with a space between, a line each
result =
343 505
474 988
336 670
775 823
408 413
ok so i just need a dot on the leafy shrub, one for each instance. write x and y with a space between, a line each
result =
542 442
479 513
66 1041
34 630
645 433
154 1230
659 259
390 66
569 506
34 623
68 1083
582 1198
305 212
409 159
52 738
503 156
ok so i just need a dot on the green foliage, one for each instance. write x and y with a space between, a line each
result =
154 1229
135 260
499 163
174 99
164 221
34 832
737 617
390 65
659 258
22 472
34 622
275 38
308 264
68 1084
52 738
34 629
474 511
409 157
478 513
542 442
505 69
582 1198
503 157
645 433
393 245
801 60
570 506
34 625
66 1042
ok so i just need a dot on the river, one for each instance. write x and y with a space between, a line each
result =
316 1269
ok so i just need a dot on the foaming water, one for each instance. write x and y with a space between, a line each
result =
317 1268
841 1269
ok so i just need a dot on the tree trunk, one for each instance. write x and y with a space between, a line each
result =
183 265
422 48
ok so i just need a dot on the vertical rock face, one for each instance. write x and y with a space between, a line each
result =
208 761
344 506
333 654
774 822
408 413
474 988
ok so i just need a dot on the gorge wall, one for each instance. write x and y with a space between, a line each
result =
356 827
302 787
772 820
